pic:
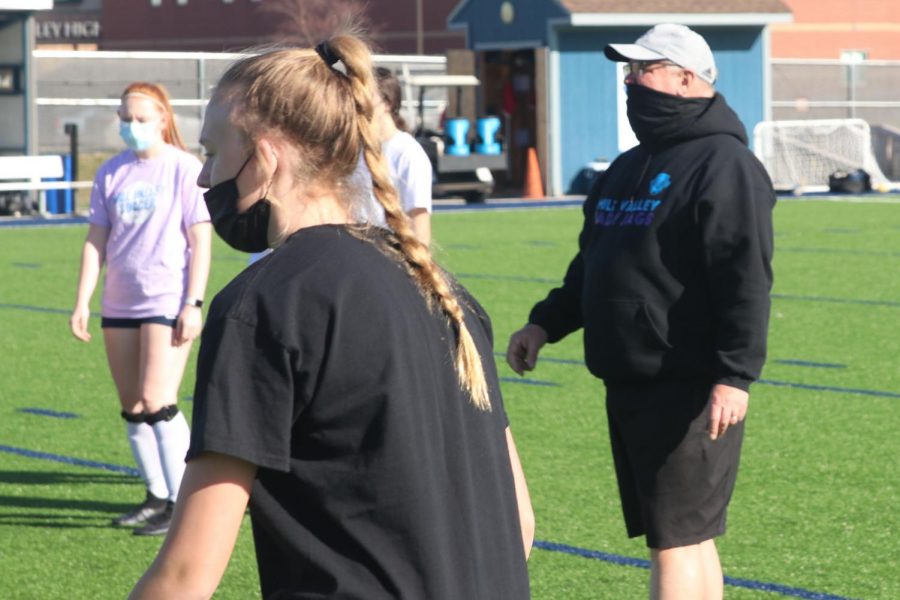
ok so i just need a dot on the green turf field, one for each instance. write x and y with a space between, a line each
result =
815 513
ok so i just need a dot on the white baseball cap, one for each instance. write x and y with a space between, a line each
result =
676 43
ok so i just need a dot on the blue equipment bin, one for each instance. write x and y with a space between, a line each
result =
457 131
487 128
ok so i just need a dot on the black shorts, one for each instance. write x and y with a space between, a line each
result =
117 323
674 481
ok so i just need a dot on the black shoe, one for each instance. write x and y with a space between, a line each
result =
149 507
157 524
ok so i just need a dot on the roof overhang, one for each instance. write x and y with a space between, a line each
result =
26 5
690 19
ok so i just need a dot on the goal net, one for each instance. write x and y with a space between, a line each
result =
800 155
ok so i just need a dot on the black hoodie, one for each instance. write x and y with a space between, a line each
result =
673 273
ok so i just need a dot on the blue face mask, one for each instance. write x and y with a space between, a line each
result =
139 136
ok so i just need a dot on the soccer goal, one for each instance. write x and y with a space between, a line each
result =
800 155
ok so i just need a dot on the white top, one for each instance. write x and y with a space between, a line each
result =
410 171
411 174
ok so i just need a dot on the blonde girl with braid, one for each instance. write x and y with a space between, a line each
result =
345 385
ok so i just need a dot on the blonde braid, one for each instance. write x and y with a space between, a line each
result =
429 277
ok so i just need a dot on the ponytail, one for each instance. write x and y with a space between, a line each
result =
429 277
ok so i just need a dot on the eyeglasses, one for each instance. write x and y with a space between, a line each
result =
642 67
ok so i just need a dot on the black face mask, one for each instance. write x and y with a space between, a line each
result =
658 118
246 231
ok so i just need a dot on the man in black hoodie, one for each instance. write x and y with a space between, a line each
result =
671 285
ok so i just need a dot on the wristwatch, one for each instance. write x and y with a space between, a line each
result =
197 302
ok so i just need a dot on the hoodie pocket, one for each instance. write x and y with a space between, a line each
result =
623 341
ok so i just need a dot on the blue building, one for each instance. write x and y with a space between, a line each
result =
546 59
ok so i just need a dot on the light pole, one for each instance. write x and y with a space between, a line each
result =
420 28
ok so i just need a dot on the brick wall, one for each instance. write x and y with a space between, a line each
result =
229 25
825 28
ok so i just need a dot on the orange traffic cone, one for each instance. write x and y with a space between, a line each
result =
534 188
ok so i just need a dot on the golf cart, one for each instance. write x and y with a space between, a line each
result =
460 168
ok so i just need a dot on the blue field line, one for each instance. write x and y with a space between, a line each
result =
836 300
784 361
828 388
44 412
509 205
839 251
564 361
803 386
524 279
527 381
786 195
79 462
41 221
808 363
460 246
521 278
42 309
616 559
645 564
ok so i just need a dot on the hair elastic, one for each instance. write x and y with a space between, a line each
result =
327 54
331 59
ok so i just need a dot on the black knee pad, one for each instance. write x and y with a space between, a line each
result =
166 413
134 417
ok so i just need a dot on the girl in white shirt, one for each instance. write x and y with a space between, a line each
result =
411 170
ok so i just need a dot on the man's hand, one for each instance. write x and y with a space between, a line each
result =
524 345
728 406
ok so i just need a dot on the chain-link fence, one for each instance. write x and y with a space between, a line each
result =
830 89
83 88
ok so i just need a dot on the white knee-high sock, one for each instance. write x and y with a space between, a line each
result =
173 439
146 456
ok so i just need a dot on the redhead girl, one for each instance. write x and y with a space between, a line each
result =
150 228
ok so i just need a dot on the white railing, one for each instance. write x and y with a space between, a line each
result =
81 88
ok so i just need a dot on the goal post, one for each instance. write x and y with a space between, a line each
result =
800 155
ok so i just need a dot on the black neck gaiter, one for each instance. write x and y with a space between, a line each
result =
659 119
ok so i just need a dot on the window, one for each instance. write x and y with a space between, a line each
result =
9 79
854 56
854 72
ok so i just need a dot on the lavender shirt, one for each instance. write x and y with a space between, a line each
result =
148 205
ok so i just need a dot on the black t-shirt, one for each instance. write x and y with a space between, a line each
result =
377 476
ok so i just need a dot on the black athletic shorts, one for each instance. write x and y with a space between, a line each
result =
674 481
116 323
